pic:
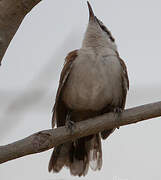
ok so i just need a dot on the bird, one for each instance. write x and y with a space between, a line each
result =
93 81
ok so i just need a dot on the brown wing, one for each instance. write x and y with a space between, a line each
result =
125 87
60 110
125 83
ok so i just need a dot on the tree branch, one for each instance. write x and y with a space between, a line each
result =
12 12
48 139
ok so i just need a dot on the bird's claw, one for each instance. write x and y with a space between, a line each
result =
118 111
70 125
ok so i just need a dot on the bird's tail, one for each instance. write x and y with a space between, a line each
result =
78 156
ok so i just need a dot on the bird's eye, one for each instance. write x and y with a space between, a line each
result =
103 27
108 33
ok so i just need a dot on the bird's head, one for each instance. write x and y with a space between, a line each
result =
97 33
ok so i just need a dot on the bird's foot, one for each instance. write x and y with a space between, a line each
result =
118 111
70 125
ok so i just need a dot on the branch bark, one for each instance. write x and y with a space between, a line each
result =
47 139
12 12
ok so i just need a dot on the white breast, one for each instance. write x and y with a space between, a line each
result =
94 82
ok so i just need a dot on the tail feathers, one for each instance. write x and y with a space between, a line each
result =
79 167
78 156
96 153
59 158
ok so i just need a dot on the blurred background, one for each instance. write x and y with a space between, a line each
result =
29 78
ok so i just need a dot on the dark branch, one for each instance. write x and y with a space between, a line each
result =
12 12
48 139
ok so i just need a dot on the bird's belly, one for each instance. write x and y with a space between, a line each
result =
93 98
92 88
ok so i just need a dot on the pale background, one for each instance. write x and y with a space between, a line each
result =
29 77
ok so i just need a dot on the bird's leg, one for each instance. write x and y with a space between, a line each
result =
118 112
70 125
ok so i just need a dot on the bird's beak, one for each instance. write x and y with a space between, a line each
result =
91 13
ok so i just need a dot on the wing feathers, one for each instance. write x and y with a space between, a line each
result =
63 78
